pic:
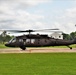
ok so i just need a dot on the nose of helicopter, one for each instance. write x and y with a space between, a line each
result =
7 45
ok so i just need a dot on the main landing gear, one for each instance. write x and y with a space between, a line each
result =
23 47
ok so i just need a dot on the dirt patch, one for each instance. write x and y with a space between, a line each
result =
37 50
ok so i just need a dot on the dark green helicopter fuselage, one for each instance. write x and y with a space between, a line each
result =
32 40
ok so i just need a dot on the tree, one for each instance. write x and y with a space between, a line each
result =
72 35
66 36
4 37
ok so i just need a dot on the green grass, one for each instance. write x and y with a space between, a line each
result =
38 64
2 46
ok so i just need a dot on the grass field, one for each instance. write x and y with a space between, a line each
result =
38 64
2 46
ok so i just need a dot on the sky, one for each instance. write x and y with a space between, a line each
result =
38 14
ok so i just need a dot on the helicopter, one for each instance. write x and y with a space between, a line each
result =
37 40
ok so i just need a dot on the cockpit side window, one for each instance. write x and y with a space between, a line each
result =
12 40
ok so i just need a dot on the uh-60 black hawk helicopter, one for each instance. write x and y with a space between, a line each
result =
37 40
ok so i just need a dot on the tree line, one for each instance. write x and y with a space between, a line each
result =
5 38
70 36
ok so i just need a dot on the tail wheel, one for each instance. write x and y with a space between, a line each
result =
69 47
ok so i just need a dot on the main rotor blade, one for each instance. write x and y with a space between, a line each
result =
21 31
47 29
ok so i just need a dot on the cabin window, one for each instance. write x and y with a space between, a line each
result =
32 40
20 40
27 40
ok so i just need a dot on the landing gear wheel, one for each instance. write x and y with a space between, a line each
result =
23 47
70 47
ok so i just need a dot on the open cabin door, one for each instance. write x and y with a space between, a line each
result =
22 44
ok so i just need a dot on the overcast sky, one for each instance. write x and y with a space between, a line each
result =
38 14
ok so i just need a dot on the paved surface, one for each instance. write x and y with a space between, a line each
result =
37 50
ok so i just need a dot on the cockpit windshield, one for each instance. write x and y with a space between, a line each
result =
12 40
